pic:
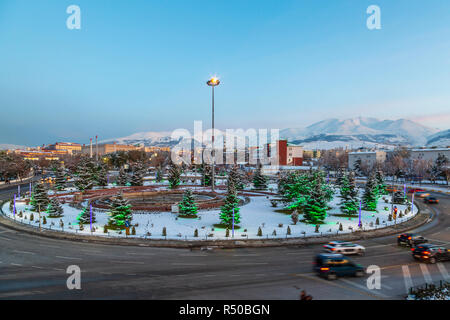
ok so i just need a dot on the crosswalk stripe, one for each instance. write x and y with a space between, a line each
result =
426 273
407 278
443 271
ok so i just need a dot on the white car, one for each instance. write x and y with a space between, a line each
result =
344 248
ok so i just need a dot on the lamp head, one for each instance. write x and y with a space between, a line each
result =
213 82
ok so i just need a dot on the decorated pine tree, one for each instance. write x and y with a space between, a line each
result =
102 177
137 179
85 175
230 206
349 195
159 174
315 208
54 208
381 185
339 177
236 177
39 198
399 197
206 172
60 179
174 176
370 196
85 216
259 181
187 206
122 179
120 211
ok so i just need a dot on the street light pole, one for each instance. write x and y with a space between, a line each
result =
213 82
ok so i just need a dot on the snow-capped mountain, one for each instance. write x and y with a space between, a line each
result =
7 146
360 132
440 139
327 134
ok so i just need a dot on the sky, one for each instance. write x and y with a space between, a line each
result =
139 66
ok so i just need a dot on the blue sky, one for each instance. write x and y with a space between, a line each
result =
142 65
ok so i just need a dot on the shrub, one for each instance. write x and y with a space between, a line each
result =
44 220
317 228
288 232
196 233
259 232
133 231
341 228
274 233
377 222
105 229
164 232
32 217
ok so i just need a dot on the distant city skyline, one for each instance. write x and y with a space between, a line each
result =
142 66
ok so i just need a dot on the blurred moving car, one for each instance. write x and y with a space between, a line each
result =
410 239
415 190
431 253
431 200
422 194
344 248
332 266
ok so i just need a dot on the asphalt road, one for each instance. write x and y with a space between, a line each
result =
33 267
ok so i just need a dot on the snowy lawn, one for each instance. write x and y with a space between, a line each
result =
257 213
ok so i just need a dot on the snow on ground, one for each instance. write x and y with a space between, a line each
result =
257 213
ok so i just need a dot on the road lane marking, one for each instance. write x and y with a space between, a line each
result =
49 246
68 258
443 271
36 267
364 288
6 239
407 278
246 255
251 264
25 252
187 264
128 262
140 254
16 264
426 273
332 283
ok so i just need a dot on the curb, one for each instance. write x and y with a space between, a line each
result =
417 221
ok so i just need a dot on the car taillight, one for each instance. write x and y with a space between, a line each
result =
324 269
413 249
426 252
332 249
409 238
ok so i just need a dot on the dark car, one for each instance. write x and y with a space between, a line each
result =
430 200
410 239
431 253
331 266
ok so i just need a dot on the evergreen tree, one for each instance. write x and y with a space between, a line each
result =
259 181
54 208
85 216
174 176
370 197
120 211
357 166
339 177
102 178
159 175
236 177
188 206
139 170
39 198
399 197
122 179
349 195
60 179
206 172
315 207
85 175
231 203
381 186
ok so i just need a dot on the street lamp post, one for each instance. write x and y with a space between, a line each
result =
213 82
